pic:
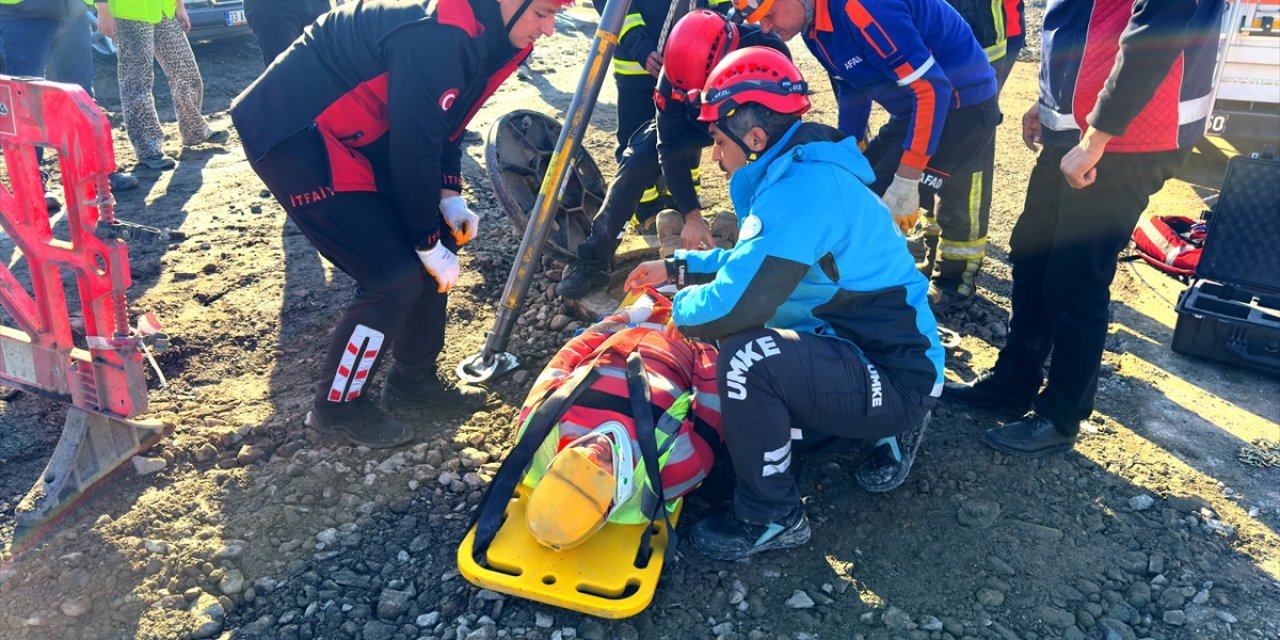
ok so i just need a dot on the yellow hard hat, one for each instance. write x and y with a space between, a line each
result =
572 500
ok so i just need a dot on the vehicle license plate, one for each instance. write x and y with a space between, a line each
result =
235 18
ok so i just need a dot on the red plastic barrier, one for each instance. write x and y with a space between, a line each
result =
104 374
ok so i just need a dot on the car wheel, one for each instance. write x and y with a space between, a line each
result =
102 46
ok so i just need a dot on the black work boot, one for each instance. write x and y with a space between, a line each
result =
582 277
724 537
1033 435
51 201
889 463
428 390
989 392
944 300
360 422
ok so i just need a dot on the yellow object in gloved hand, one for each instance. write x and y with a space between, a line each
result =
572 501
462 222
908 222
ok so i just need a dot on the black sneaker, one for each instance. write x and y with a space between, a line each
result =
582 277
216 136
360 422
724 537
886 468
121 181
161 162
431 390
1033 435
988 392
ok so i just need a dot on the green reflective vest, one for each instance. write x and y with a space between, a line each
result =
152 11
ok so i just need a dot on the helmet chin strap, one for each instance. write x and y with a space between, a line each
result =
751 154
524 6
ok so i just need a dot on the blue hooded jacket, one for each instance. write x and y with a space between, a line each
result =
817 253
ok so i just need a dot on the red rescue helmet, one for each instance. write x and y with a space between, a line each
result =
753 10
697 42
755 74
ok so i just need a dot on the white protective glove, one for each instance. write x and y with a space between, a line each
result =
461 221
442 264
903 199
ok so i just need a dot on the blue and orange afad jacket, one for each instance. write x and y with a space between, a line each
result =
916 58
390 86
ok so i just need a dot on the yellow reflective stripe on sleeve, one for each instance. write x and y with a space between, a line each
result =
628 67
632 21
650 194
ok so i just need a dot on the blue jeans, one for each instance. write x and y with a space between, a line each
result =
32 45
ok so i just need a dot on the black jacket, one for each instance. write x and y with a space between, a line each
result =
390 86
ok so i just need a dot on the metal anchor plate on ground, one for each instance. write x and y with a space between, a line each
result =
517 153
91 446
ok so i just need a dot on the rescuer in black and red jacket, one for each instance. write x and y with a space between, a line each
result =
356 130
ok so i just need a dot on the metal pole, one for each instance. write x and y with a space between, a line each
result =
493 360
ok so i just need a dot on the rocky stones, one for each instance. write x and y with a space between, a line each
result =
1055 617
231 583
76 606
378 630
208 616
897 620
1141 502
978 514
542 620
1134 562
593 630
800 600
146 466
1175 617
1138 595
250 454
1116 630
989 598
473 458
328 536
1038 532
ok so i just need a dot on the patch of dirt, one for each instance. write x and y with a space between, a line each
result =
258 528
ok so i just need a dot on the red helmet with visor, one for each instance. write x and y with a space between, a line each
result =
755 74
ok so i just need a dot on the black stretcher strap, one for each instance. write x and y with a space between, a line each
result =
487 518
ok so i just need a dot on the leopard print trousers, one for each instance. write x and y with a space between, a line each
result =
138 44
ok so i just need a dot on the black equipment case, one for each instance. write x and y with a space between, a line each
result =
1231 311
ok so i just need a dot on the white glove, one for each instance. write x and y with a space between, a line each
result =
464 224
903 198
442 264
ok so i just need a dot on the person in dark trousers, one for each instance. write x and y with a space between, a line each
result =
822 318
40 36
277 23
1125 88
356 130
920 61
668 146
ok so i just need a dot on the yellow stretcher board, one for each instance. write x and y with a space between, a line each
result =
598 577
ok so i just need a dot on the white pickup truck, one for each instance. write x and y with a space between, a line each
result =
1247 101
